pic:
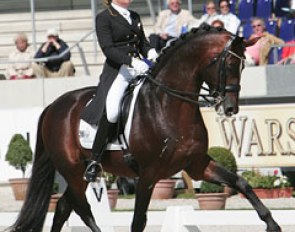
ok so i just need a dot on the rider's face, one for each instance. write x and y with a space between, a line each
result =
122 3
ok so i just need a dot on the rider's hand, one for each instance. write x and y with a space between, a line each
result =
140 66
152 55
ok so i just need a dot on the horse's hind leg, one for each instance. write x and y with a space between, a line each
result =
80 204
75 199
216 174
62 213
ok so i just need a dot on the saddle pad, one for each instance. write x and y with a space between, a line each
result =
87 132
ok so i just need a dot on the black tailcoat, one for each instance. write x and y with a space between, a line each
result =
120 42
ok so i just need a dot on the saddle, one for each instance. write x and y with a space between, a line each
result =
120 139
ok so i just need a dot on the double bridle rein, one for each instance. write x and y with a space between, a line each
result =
218 94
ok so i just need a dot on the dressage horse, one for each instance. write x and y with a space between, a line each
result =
167 134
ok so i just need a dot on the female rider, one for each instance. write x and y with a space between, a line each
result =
122 40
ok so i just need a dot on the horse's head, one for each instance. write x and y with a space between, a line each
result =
223 71
206 54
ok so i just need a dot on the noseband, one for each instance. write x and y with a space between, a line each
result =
222 87
219 93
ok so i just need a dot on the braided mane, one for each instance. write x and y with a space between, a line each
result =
168 51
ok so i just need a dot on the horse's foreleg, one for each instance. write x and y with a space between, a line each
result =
217 174
142 200
62 213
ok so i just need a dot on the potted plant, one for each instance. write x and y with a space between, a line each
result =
164 189
211 196
268 186
112 190
226 159
214 196
19 155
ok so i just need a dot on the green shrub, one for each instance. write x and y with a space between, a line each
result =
19 153
226 159
258 180
207 187
109 179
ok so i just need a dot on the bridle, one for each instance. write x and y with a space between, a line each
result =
222 88
218 94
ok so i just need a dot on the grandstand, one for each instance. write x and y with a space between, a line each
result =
74 19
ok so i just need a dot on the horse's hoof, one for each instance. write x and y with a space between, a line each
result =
275 230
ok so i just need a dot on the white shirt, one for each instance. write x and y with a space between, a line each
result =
206 18
231 22
171 26
123 11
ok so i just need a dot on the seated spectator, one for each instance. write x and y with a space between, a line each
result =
231 21
22 52
288 54
217 23
211 13
54 46
258 53
169 24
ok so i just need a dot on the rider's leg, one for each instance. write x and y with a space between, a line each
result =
107 122
99 145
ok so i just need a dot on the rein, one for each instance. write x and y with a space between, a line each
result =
187 96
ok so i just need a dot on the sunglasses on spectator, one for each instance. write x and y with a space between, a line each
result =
224 6
256 25
210 8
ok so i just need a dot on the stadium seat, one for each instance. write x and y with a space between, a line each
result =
232 5
271 26
264 8
247 29
274 56
278 8
287 30
246 9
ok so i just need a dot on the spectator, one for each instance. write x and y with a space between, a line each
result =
169 24
258 53
211 13
22 52
231 21
53 47
288 54
217 23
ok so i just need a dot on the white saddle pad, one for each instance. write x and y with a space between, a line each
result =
87 132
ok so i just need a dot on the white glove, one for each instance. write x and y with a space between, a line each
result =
140 66
152 55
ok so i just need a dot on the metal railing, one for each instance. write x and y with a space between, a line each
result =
276 48
52 58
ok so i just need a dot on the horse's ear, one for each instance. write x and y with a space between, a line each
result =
250 42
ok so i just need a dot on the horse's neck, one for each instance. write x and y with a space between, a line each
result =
165 108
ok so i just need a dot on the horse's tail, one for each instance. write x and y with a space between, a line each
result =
34 209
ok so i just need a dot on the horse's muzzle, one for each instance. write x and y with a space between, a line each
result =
226 107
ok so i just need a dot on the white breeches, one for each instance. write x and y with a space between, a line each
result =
116 92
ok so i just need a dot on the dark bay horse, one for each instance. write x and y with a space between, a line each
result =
167 135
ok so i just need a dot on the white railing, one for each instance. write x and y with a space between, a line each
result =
174 219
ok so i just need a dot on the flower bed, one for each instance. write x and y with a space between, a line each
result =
268 186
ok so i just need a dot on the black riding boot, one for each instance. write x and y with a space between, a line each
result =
99 145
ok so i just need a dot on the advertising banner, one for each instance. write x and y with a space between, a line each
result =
258 136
